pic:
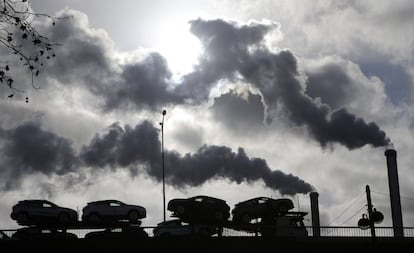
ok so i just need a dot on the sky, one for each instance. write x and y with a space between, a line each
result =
263 98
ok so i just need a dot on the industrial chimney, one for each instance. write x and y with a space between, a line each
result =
393 184
316 229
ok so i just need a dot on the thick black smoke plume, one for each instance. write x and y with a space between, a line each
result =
140 146
232 51
231 48
28 149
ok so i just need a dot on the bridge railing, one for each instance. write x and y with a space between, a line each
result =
256 231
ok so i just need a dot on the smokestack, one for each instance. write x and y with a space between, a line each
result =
316 229
393 184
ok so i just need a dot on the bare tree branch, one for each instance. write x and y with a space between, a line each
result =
22 39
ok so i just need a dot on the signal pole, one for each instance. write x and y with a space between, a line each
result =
162 158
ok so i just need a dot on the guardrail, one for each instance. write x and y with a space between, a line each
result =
256 231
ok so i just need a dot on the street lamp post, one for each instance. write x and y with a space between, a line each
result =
162 158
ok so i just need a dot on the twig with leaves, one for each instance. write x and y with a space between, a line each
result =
22 39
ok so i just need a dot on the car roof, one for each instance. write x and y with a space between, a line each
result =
106 201
34 200
175 221
271 199
207 197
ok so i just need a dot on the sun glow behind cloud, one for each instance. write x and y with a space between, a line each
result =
179 47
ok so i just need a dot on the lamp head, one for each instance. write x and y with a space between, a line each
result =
164 112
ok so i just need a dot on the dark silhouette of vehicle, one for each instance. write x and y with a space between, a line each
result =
200 209
112 210
118 233
40 212
35 233
260 207
288 224
177 228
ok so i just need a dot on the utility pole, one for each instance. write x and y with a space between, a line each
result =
371 221
163 163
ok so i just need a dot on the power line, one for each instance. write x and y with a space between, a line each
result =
403 197
357 212
343 212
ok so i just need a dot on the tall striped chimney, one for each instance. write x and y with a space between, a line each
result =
394 187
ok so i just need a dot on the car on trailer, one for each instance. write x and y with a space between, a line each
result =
131 232
244 212
112 211
176 227
37 233
42 212
200 209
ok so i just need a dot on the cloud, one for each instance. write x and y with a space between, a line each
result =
232 48
140 147
28 149
89 60
232 51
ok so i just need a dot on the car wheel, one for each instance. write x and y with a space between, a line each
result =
93 218
22 218
180 209
63 218
246 218
133 216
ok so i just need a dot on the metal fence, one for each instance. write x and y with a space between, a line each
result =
257 231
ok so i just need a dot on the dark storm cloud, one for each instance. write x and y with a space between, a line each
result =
140 146
232 48
28 149
238 113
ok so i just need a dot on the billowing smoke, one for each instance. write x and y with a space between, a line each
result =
140 146
28 149
232 52
231 48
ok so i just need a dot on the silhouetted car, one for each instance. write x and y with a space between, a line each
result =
118 233
260 207
286 224
34 233
112 210
200 209
177 228
36 212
